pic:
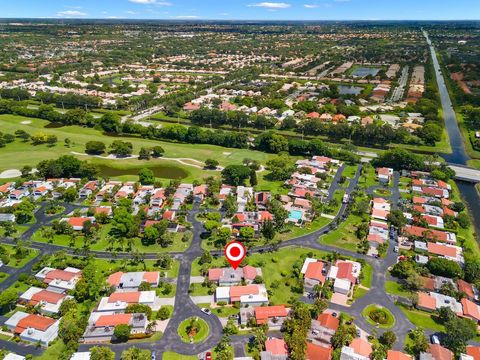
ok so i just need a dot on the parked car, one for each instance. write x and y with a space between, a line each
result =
208 355
435 340
206 311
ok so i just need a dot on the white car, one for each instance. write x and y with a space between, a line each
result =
206 311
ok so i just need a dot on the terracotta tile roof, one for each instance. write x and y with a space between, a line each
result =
440 353
59 275
215 274
131 297
150 276
345 271
113 320
431 234
265 216
47 296
276 347
77 221
237 291
249 272
169 215
428 283
470 309
317 352
36 322
439 249
361 347
397 355
419 200
314 271
115 278
262 313
474 351
328 321
466 288
426 301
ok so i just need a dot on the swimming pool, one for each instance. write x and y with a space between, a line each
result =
295 215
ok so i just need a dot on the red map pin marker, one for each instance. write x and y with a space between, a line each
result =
235 252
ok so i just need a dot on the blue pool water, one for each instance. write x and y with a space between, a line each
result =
295 214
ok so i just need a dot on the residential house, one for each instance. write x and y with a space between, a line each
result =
47 301
345 275
275 349
323 328
33 328
358 349
230 276
59 280
315 274
103 325
132 280
436 352
118 301
77 222
318 352
273 316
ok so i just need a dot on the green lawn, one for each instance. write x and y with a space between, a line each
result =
3 277
19 263
174 356
389 318
19 154
344 236
201 334
54 351
367 274
421 319
197 289
221 311
394 288
103 242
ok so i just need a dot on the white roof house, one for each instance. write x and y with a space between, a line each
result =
81 356
33 328
119 301
12 356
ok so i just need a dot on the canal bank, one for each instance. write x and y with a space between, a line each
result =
459 155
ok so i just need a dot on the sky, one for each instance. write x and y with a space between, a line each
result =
245 9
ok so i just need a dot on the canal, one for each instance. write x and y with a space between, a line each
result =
459 154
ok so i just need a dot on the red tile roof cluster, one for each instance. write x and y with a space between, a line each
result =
130 297
113 320
315 271
317 352
276 347
328 321
47 296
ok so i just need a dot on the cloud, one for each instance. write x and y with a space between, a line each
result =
271 5
151 2
70 13
130 12
341 0
311 6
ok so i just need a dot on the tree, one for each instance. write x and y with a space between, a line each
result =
101 353
67 306
139 309
211 164
444 267
95 147
397 219
388 339
151 235
121 148
124 224
253 177
418 342
163 313
144 154
230 328
146 176
122 332
157 151
8 298
247 233
472 270
235 174
268 230
134 353
458 331
70 194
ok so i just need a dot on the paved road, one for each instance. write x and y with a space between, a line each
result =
399 91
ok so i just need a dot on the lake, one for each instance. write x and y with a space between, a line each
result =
365 71
349 90
160 171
